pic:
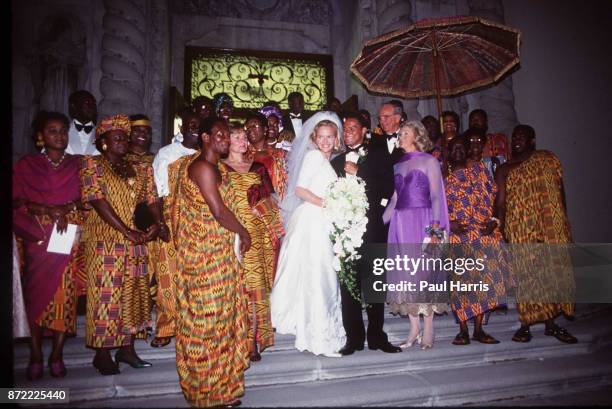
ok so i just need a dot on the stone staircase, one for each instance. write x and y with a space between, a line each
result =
444 375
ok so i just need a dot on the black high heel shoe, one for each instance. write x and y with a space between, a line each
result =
105 370
134 362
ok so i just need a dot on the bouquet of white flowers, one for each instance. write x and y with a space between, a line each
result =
346 205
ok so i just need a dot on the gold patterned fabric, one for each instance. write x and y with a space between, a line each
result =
257 263
118 122
275 161
211 333
167 272
118 299
60 314
152 246
535 214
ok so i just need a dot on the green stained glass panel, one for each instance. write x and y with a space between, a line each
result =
252 80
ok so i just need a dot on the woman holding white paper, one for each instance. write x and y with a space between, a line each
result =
46 197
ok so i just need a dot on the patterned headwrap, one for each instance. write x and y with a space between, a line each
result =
221 98
111 123
272 110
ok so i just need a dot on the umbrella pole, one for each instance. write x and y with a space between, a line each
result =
436 64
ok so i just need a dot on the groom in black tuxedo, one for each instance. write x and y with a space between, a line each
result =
376 170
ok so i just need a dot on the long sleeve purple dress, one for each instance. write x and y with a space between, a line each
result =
419 200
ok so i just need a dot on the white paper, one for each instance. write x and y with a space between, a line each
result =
61 243
237 248
383 202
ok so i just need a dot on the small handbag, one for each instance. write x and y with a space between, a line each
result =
143 219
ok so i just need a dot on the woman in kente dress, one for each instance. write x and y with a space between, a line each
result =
274 159
253 187
46 192
470 192
118 299
417 210
139 151
211 328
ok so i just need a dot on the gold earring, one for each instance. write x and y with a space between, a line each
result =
104 147
39 142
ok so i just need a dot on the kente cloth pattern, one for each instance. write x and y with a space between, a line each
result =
497 145
118 299
211 333
275 161
167 272
118 122
535 214
152 246
470 194
257 263
60 314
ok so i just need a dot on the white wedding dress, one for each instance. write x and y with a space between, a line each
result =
305 299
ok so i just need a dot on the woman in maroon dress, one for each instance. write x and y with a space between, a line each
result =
46 193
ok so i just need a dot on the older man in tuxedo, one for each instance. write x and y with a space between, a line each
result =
390 115
375 168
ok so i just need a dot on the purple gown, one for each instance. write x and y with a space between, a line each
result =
419 200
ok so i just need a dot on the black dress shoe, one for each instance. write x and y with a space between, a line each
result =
388 348
134 362
349 349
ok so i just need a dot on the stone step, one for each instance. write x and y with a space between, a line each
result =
445 386
293 367
75 352
498 384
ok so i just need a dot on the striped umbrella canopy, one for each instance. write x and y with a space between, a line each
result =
440 57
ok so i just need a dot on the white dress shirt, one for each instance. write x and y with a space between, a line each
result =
392 142
297 125
165 156
81 143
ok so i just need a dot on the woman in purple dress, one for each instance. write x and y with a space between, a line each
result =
417 211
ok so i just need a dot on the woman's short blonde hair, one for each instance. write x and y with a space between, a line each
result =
421 138
339 146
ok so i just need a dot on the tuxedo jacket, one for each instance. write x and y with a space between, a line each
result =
380 141
287 124
376 170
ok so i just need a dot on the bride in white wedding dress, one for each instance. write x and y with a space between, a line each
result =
305 299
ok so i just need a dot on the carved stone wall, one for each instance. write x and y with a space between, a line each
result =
52 47
123 57
287 11
498 100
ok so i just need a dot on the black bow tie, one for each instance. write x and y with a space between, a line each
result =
393 135
355 149
295 116
80 127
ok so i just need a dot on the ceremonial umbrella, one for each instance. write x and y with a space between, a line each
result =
440 57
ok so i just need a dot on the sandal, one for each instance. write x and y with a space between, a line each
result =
255 356
159 342
561 334
484 338
462 338
522 335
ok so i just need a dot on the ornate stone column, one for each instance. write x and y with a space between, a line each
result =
497 100
123 57
391 15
